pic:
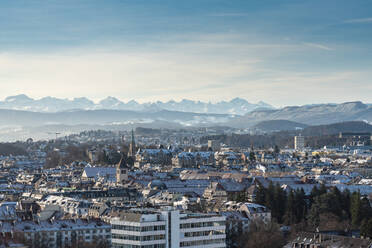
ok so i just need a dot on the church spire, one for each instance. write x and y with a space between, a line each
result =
132 147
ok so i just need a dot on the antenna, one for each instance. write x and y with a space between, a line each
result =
56 133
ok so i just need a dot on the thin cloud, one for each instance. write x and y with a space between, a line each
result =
319 46
360 20
228 14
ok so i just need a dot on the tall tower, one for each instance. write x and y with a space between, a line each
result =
299 142
122 171
132 148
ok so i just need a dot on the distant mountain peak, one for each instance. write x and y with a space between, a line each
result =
238 100
20 97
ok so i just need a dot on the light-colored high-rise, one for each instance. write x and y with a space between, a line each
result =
167 229
299 142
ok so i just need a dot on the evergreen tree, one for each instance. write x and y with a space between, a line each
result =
313 194
322 189
366 228
260 195
269 197
324 204
365 209
279 201
290 216
345 203
355 209
252 156
300 205
276 150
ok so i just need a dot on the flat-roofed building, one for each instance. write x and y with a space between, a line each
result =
299 142
167 228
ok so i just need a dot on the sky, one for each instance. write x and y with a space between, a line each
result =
287 52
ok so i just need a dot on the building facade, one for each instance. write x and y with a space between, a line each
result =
299 142
167 229
62 233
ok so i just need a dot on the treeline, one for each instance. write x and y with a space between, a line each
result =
72 153
14 149
326 209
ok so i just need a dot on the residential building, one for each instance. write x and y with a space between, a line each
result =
61 233
213 145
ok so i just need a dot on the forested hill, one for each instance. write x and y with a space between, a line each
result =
7 149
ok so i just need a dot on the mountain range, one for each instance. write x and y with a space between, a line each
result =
80 114
308 114
51 104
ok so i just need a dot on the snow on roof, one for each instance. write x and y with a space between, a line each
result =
7 210
95 172
204 155
155 151
59 225
232 185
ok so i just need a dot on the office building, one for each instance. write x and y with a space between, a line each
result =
169 228
299 142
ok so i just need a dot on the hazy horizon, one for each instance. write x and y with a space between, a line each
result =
283 53
97 101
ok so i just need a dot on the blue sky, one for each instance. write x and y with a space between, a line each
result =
281 52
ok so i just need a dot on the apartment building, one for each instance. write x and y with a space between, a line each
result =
167 228
60 233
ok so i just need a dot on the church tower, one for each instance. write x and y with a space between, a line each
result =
132 148
122 171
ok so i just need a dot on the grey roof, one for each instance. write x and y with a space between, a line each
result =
94 172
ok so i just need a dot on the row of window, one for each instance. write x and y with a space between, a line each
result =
139 229
138 246
51 236
202 242
202 224
138 238
68 233
204 233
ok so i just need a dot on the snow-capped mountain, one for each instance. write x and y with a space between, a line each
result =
237 106
45 104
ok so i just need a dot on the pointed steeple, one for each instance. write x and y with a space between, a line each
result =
122 163
132 147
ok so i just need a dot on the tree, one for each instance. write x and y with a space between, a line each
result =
260 195
365 209
262 235
313 194
279 203
355 209
53 159
325 205
252 156
366 228
345 203
269 197
300 209
276 150
290 216
241 197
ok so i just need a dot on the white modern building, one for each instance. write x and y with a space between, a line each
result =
167 228
299 142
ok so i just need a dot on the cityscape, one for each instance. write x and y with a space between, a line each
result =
196 124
